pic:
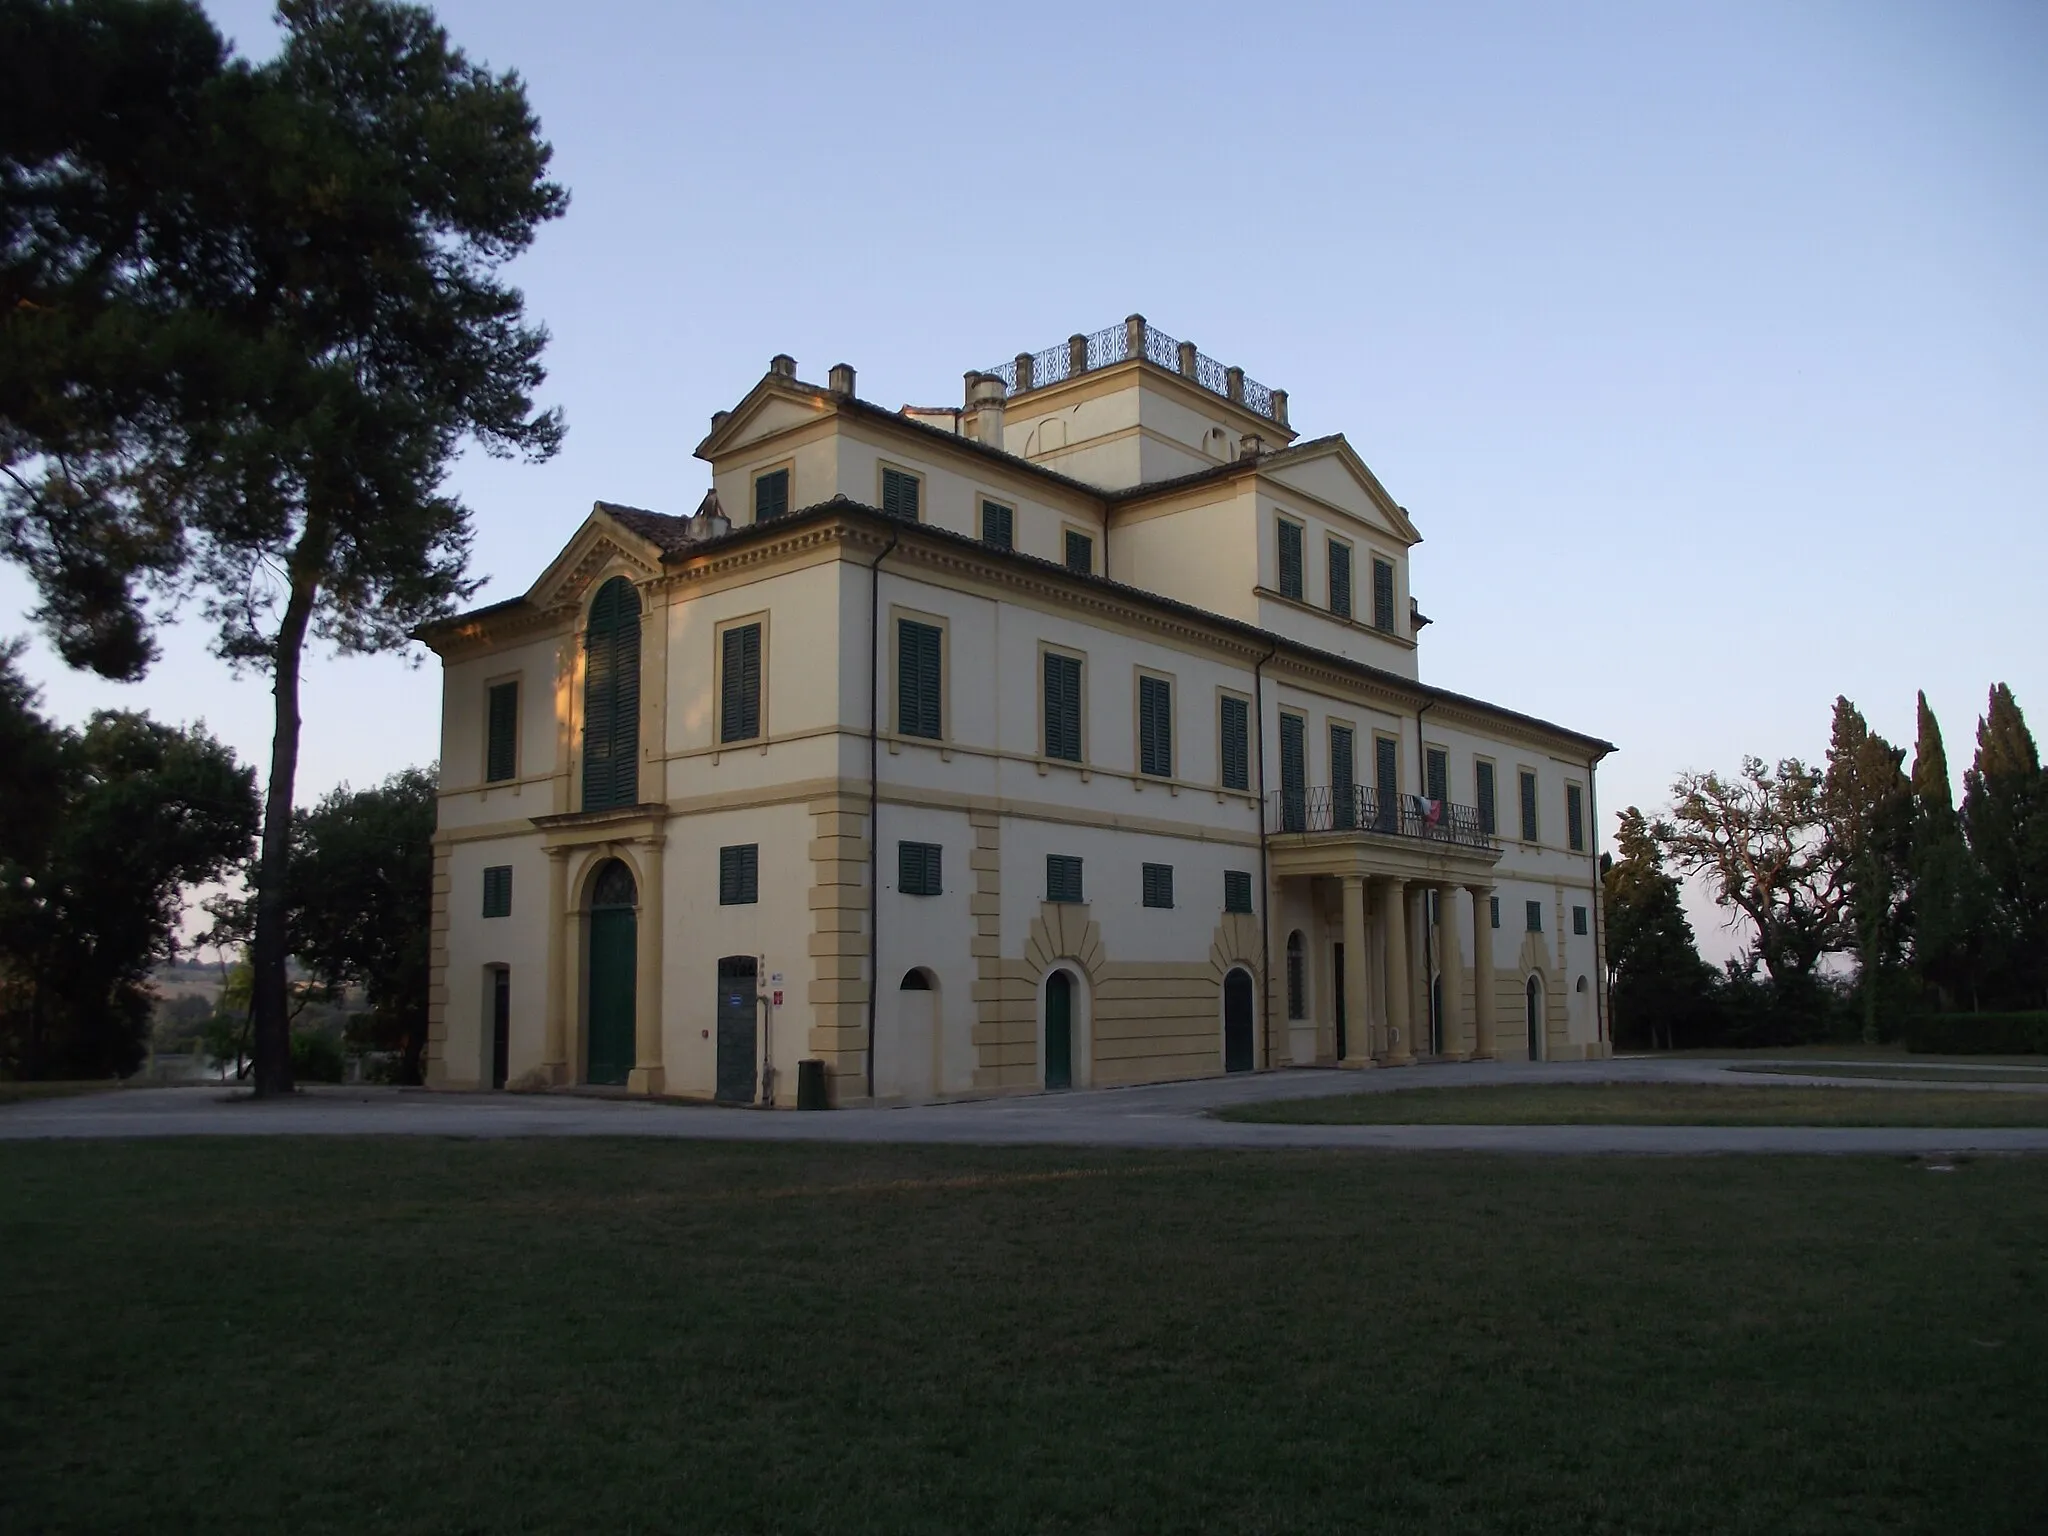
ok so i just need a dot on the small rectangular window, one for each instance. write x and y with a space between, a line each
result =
739 702
1528 806
998 525
1155 727
771 495
917 869
1235 729
900 494
739 875
1290 560
1080 553
1437 762
501 758
1383 595
1063 707
917 679
498 891
1483 787
1575 817
1533 912
1340 579
1158 880
1062 877
1237 890
1579 921
1493 910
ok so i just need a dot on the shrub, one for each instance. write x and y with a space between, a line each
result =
1979 1034
316 1057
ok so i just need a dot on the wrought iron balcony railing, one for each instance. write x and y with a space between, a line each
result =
1136 337
1356 808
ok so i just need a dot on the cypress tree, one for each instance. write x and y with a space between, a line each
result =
1866 802
2005 817
1948 909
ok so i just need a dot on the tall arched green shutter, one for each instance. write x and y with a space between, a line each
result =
611 698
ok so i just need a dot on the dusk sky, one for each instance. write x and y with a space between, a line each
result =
1706 344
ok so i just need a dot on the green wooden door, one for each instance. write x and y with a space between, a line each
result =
614 962
1533 1007
1059 1031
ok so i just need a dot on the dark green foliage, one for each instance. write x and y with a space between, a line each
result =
130 815
362 880
1978 1034
1659 987
2005 816
316 1056
1866 806
1950 907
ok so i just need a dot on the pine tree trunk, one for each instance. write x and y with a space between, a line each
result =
269 1000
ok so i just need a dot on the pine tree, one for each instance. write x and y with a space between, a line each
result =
1657 982
1866 803
1948 909
2005 817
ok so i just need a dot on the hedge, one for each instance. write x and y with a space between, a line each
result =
1979 1034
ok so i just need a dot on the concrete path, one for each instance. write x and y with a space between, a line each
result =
1168 1115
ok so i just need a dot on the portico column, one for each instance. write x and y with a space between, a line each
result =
1482 972
1400 978
1418 968
1452 965
647 1075
555 1047
1357 1008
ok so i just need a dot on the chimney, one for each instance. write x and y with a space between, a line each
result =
985 401
841 378
1280 406
782 365
719 419
1250 446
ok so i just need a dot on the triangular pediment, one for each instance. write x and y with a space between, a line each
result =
1331 471
600 544
774 405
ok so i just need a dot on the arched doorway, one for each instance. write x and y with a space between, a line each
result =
1059 1031
1533 1009
614 963
1237 1021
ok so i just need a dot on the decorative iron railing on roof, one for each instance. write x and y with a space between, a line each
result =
1137 338
1359 808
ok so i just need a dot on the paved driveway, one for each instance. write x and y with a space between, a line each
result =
1168 1115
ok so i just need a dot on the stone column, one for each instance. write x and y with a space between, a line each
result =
1400 1043
1452 966
1357 1005
647 1075
1418 968
560 985
1482 972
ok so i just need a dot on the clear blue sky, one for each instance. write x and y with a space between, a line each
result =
1708 344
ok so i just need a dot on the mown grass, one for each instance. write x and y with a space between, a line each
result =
21 1093
1832 1050
414 1336
1654 1104
1917 1072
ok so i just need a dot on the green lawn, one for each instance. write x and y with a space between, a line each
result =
1912 1072
413 1336
21 1093
1833 1050
1654 1104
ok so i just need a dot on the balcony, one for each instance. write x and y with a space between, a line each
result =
1355 808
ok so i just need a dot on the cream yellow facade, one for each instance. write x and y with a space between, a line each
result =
995 749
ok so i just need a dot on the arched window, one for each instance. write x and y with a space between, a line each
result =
915 981
1297 977
611 698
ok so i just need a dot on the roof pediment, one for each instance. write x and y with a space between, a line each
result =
606 539
774 405
1330 470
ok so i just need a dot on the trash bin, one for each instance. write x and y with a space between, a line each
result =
810 1085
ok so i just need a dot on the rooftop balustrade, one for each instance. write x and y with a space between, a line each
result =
1137 338
1356 808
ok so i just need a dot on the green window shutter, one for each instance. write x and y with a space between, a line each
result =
498 891
1062 877
1155 727
1080 553
899 494
1382 595
1293 773
1237 890
739 875
1158 885
1386 780
611 698
917 869
1343 779
501 756
1579 921
1439 765
1528 807
739 704
1483 786
1290 559
771 495
1236 744
1340 579
1575 817
1493 910
917 679
1063 707
997 525
1532 912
